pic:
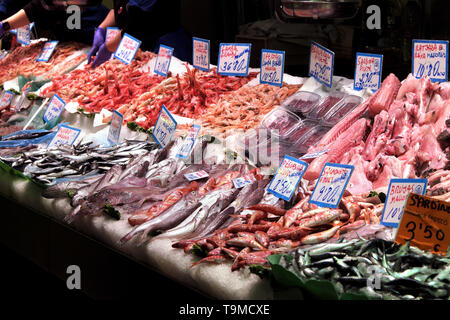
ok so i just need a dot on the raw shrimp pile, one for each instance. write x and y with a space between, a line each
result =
189 95
20 58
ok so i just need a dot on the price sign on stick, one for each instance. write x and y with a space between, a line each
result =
6 99
313 155
200 53
321 64
272 67
24 34
243 181
22 98
115 127
127 49
111 33
47 51
54 108
188 142
164 128
368 70
196 175
396 199
425 223
234 59
287 177
331 185
65 135
430 58
163 59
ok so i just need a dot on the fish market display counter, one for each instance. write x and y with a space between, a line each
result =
46 245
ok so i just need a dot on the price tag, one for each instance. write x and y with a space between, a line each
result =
188 143
3 54
47 51
368 70
54 108
243 181
163 59
313 155
430 58
396 199
24 34
200 53
196 175
65 135
272 67
425 223
111 33
287 177
164 128
127 49
331 185
115 127
6 99
321 64
234 59
22 98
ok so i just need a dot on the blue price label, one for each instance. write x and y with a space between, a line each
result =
127 49
54 108
6 99
398 192
200 53
321 64
164 128
430 58
331 185
287 177
234 59
115 127
47 51
65 135
163 59
243 181
188 142
368 71
272 67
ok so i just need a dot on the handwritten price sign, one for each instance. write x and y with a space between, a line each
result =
272 67
287 177
115 127
65 135
331 185
398 192
189 141
234 59
243 181
127 49
368 69
313 155
163 60
24 34
430 58
164 128
22 98
321 64
425 223
196 175
111 33
54 108
6 99
200 53
47 51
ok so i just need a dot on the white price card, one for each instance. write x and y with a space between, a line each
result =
3 54
127 48
54 108
200 53
188 142
22 98
6 99
115 127
24 34
368 71
287 177
430 58
243 181
396 198
272 67
64 135
321 64
196 175
47 51
313 155
163 59
331 185
234 59
164 128
111 33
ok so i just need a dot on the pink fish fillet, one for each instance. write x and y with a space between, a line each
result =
381 133
358 184
385 95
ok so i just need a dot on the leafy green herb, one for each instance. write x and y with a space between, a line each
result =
110 211
259 270
135 127
32 96
373 194
70 193
155 233
14 91
198 251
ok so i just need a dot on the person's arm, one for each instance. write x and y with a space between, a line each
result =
109 21
17 20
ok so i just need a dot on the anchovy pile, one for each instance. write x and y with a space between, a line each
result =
402 272
65 162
